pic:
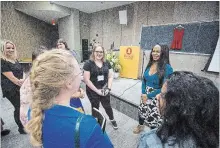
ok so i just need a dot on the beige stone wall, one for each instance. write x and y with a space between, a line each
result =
106 24
25 31
28 33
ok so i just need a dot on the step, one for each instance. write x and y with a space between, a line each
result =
124 106
125 96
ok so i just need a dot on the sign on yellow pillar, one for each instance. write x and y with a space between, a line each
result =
129 60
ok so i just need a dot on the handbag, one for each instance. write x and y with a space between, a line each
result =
77 134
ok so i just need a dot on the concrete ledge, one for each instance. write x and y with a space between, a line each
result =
124 106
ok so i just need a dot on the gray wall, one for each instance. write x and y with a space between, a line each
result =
28 32
69 30
25 31
161 13
84 21
106 24
84 24
189 62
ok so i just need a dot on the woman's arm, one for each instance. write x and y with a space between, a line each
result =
153 93
12 78
168 71
110 78
89 83
143 87
86 76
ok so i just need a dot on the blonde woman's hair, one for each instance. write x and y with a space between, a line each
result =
3 54
92 57
49 73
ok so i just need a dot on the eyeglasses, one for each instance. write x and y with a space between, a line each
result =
101 52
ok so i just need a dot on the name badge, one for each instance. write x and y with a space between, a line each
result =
100 78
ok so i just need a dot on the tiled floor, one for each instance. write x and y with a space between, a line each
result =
121 138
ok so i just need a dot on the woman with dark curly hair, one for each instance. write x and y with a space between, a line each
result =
189 105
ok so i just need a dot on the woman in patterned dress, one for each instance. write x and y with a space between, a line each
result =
157 70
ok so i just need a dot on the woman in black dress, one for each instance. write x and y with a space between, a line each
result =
11 79
98 78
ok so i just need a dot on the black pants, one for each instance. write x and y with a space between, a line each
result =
95 100
14 97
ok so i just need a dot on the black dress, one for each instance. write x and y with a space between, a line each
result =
10 90
99 78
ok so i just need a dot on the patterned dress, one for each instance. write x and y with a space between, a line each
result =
151 87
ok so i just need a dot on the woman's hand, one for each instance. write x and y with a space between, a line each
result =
20 82
144 98
82 93
106 91
100 92
79 94
12 78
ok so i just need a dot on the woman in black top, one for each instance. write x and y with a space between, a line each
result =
98 78
11 79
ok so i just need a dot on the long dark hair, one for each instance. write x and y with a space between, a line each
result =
191 111
163 60
64 42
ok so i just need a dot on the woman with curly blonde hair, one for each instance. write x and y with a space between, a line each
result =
55 76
